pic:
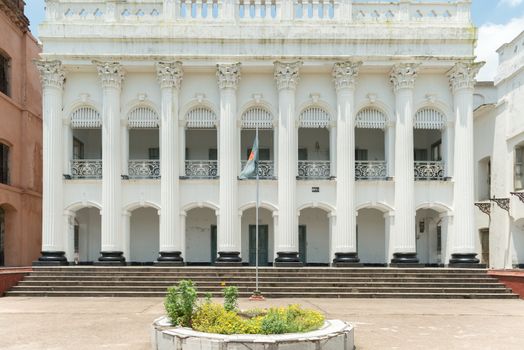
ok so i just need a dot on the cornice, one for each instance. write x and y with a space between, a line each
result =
16 14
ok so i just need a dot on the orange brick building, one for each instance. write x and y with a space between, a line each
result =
20 139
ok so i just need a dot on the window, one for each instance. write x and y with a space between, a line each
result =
519 168
421 155
154 153
361 154
212 153
302 154
436 154
4 164
4 75
78 149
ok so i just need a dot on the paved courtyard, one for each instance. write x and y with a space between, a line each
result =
124 323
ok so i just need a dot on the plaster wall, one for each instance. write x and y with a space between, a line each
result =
371 236
198 234
144 235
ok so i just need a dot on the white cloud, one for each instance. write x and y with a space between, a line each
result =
512 3
491 37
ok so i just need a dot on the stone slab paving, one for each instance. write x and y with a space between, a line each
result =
124 323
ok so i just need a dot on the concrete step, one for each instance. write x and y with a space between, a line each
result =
274 295
203 284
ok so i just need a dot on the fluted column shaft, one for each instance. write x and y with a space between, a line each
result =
53 243
111 75
462 81
170 78
286 239
228 235
404 236
344 238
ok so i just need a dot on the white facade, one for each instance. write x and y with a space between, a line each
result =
499 159
365 112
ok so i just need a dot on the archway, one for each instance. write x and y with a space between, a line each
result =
518 243
371 237
201 236
430 237
266 236
87 235
314 236
143 235
2 236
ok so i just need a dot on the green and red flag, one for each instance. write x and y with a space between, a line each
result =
250 170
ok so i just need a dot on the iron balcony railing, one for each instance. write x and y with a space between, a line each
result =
314 169
265 169
370 169
426 170
201 169
144 169
86 169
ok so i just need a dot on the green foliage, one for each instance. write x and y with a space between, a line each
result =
214 318
291 319
180 303
207 297
230 298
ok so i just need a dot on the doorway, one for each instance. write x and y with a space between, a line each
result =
2 236
302 244
263 233
484 243
214 252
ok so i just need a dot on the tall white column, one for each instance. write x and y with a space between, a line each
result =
404 236
111 75
170 78
462 82
286 239
228 240
344 238
53 246
389 142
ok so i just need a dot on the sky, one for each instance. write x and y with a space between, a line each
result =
498 21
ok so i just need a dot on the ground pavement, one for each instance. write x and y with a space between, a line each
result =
124 323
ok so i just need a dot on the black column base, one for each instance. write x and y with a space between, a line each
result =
170 259
465 261
405 260
51 258
228 259
287 259
346 260
111 258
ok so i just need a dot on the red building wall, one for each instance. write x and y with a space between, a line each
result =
21 130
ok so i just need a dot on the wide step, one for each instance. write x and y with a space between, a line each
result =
274 282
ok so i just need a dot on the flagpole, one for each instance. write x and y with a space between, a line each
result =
257 291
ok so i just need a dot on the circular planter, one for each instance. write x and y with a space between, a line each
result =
334 335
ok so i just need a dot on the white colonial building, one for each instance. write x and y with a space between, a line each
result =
499 159
365 111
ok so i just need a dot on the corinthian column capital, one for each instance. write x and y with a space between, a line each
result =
111 74
51 73
287 74
228 75
403 76
169 74
345 74
462 75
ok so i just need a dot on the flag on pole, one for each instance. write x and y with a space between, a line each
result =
250 169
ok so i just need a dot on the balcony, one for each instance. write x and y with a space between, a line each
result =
370 170
86 169
265 169
429 170
314 169
144 169
201 169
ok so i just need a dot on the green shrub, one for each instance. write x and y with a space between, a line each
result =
214 318
180 303
230 298
291 319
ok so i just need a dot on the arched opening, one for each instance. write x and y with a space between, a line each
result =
201 236
10 244
4 163
201 151
261 118
428 146
314 236
484 179
144 236
87 235
86 162
144 150
265 236
430 233
371 237
314 144
370 145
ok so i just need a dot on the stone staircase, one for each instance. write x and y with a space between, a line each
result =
84 281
